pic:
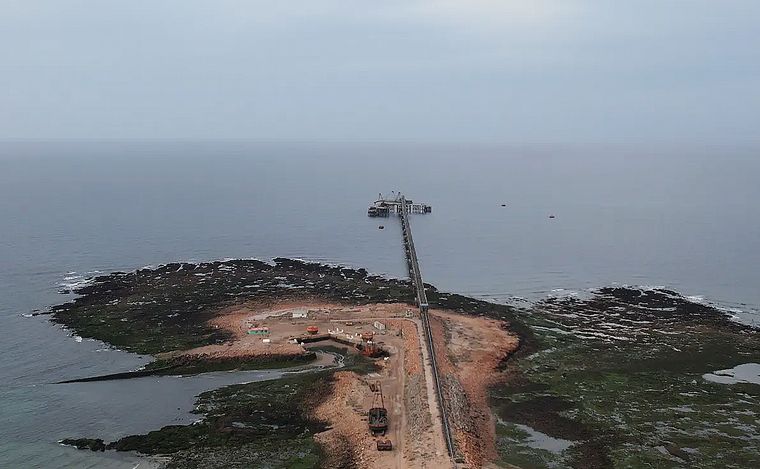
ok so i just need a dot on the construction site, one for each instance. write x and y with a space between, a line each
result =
389 418
425 405
386 414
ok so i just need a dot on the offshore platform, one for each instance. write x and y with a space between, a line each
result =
385 205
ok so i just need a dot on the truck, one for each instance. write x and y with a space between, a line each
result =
377 415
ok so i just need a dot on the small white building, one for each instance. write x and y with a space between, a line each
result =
379 326
300 314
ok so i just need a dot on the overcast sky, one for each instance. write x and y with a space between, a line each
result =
399 70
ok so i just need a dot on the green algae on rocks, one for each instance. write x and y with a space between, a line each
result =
613 380
193 364
167 308
618 376
266 422
154 310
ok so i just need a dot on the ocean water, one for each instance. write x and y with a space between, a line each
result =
682 218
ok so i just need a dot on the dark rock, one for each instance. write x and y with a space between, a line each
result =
85 443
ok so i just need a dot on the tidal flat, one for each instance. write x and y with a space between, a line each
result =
618 376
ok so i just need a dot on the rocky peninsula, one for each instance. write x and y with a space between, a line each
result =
616 376
194 318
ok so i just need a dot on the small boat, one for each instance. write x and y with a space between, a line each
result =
381 227
552 216
503 205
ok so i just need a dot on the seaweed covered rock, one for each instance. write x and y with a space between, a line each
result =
85 443
167 308
618 381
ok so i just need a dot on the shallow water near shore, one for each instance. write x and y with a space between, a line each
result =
681 218
745 373
47 413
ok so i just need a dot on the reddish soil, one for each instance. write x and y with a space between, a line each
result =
470 349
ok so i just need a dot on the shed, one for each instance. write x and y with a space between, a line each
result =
300 314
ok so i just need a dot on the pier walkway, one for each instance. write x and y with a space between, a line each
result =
416 276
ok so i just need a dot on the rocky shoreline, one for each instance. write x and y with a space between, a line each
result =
159 311
268 421
261 421
611 379
169 310
617 382
195 364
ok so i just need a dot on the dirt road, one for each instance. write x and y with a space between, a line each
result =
405 377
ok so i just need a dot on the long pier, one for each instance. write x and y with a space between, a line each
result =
416 275
411 258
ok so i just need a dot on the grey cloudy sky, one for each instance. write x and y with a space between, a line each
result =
411 70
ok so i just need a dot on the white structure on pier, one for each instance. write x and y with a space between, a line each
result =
385 205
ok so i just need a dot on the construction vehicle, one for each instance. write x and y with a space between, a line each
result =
378 414
368 347
384 445
371 349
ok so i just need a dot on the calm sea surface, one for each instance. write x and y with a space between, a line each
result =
688 219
